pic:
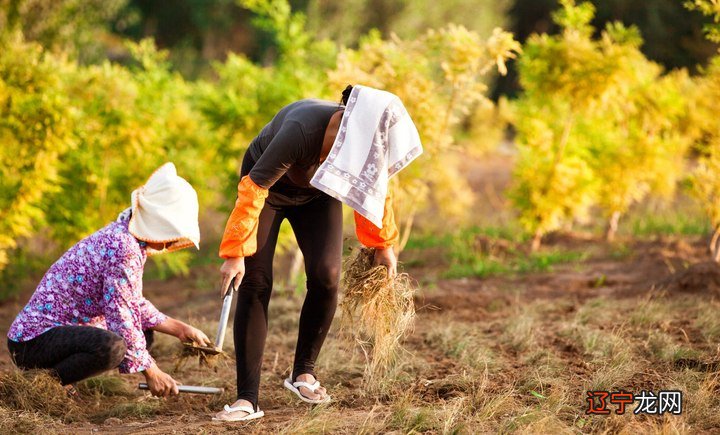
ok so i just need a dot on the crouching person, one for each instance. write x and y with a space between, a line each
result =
88 313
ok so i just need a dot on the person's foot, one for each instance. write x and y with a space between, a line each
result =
319 394
235 415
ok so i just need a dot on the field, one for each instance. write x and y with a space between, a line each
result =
504 341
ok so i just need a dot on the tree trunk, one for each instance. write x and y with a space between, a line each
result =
714 244
536 241
405 233
612 226
564 139
295 267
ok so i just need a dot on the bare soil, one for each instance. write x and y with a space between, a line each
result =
663 271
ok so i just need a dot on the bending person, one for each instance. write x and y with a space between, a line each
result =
313 156
88 313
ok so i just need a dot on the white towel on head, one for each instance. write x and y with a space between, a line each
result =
165 210
375 141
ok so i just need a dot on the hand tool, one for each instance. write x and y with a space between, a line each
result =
189 389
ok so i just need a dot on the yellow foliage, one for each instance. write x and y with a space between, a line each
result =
35 132
597 124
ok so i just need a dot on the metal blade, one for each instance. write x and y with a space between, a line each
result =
224 315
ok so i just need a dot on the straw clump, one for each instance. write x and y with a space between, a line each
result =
37 391
379 311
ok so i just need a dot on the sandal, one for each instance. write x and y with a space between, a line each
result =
251 414
295 388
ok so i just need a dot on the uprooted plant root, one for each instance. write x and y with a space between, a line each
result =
204 359
379 311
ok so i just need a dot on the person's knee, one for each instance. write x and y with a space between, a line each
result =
255 284
115 351
324 277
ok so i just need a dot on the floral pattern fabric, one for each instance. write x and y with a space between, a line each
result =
98 282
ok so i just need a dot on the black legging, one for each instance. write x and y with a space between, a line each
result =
318 229
73 353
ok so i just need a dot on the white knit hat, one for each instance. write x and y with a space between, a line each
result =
165 210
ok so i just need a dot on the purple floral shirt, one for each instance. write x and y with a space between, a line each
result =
98 282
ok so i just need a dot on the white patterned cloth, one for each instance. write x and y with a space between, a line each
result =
375 141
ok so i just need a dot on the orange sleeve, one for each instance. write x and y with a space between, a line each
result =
374 237
240 237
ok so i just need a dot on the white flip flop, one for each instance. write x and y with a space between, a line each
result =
295 388
251 413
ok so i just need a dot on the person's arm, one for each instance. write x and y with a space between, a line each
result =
153 319
240 236
381 239
123 316
150 317
182 331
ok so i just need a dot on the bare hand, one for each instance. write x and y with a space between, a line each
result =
231 268
160 383
386 257
191 334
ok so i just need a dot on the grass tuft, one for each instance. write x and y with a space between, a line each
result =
378 311
37 391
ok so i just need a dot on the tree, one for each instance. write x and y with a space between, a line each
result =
597 125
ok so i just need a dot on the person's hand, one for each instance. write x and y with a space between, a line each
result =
231 268
192 334
386 257
160 383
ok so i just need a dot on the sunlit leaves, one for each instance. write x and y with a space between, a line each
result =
598 124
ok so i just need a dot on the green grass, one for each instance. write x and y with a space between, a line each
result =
487 251
130 409
105 385
500 253
681 217
511 233
664 225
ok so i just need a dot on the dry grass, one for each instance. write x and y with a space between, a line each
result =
378 310
27 422
493 358
36 391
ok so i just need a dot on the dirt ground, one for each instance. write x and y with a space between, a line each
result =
506 353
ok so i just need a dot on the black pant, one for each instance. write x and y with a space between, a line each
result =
318 229
74 353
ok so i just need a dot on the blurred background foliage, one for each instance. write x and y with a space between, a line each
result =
608 101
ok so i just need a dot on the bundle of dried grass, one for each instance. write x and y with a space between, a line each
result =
377 310
37 391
